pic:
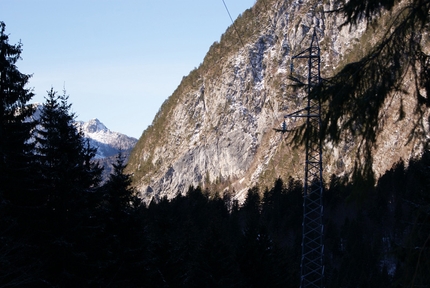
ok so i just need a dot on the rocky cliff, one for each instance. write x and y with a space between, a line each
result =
216 129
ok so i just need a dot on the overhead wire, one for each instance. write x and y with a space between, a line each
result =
234 26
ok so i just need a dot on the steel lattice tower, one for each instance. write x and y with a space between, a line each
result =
312 264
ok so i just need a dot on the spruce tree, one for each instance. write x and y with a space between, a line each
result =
120 227
69 179
119 195
68 173
18 196
15 125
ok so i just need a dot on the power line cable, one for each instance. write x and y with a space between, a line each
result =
234 26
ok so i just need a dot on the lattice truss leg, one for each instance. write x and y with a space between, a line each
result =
312 265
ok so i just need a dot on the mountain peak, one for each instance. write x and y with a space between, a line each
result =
108 143
94 126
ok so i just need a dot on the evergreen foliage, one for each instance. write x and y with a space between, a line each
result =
379 240
54 232
15 124
118 193
17 169
67 173
354 98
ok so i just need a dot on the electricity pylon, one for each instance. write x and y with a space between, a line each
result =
312 262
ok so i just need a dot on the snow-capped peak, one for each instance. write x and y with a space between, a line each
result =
94 126
107 142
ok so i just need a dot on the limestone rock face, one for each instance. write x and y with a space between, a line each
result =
217 127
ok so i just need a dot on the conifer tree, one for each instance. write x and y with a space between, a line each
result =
15 125
65 157
119 226
17 170
120 196
69 179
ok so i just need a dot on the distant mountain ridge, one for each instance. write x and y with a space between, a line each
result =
107 142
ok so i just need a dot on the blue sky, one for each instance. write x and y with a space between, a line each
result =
118 59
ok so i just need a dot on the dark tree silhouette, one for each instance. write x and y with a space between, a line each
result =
15 124
120 197
17 170
65 158
69 179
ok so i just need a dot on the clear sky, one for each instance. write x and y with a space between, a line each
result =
118 59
